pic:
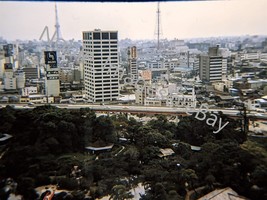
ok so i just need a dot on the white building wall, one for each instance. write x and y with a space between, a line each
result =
52 86
2 68
20 76
181 101
29 90
10 81
101 65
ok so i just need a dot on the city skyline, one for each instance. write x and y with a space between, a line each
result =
27 20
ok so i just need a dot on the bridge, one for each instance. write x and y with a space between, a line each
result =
147 110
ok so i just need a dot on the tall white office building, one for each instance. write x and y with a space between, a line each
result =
213 66
101 65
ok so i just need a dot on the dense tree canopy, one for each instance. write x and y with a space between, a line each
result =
48 142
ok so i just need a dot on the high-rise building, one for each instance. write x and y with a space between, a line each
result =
213 66
9 77
101 64
132 59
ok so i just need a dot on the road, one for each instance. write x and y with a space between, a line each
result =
144 109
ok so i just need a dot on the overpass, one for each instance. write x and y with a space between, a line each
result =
147 110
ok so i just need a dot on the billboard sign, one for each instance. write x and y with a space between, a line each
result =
8 66
51 58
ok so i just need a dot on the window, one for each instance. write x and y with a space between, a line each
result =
114 36
105 36
96 36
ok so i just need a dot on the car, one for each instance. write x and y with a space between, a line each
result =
261 110
258 115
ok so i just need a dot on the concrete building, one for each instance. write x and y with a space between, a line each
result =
140 93
213 66
101 64
182 100
65 76
146 75
31 72
10 81
29 91
9 77
149 101
132 62
52 87
2 66
20 79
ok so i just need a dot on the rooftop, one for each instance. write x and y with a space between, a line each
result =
222 194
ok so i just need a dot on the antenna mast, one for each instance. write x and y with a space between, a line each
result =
57 26
158 28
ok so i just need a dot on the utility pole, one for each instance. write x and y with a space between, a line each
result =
245 120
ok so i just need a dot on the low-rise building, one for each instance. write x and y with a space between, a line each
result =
181 100
148 101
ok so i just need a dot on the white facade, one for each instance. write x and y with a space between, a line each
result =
52 86
40 99
101 64
2 68
20 78
154 64
181 100
212 67
29 90
10 81
154 102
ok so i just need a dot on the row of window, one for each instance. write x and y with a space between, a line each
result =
105 90
99 98
100 42
98 46
100 35
99 50
106 79
90 64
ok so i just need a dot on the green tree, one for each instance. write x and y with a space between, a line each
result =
188 176
103 129
119 192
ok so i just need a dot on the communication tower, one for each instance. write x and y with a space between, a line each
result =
57 26
158 31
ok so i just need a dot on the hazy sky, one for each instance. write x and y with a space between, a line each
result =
26 20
